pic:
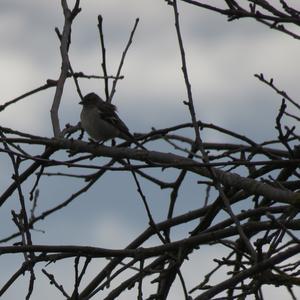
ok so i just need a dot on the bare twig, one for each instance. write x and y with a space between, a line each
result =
113 89
50 83
103 63
65 65
54 282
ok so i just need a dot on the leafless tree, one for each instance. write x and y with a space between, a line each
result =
261 240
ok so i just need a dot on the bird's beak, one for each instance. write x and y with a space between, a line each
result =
81 103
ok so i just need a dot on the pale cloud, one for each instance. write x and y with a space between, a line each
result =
112 231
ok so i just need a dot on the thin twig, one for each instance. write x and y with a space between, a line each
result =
114 84
54 282
50 83
65 64
103 63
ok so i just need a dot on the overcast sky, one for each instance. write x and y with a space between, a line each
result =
222 59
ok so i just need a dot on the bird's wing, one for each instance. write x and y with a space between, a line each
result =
116 121
105 107
108 113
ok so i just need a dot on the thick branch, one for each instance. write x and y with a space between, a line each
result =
234 180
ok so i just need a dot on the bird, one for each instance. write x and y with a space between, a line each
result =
101 121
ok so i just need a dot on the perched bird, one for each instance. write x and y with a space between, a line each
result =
100 120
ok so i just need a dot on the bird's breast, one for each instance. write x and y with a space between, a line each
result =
97 128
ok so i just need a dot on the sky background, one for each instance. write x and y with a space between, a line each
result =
222 58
